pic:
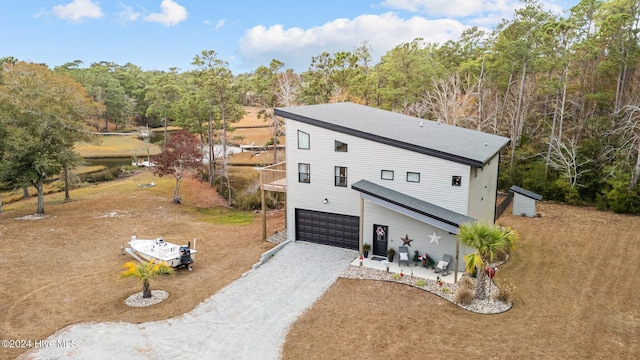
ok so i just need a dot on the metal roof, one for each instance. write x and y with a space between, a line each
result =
526 193
470 147
411 203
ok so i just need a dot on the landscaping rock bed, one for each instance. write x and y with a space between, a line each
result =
446 291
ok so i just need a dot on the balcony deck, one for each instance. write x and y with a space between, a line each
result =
274 177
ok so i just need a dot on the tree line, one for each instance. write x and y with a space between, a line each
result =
563 88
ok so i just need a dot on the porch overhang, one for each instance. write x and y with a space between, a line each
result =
412 207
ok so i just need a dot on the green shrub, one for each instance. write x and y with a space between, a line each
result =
420 282
621 199
103 175
464 295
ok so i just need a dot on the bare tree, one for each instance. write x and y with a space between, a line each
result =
629 129
452 101
564 158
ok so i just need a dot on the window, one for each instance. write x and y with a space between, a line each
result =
304 173
303 140
340 146
386 175
341 176
413 177
456 180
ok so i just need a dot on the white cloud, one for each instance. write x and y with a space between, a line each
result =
78 9
220 24
295 46
127 13
172 14
476 12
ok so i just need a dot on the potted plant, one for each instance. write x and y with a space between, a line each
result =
365 249
416 257
390 253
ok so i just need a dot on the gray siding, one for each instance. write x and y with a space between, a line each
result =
483 192
400 225
523 205
365 160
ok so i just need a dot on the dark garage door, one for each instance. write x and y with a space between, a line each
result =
327 228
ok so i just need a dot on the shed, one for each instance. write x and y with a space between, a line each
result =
524 201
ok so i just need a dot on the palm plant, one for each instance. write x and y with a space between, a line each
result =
489 240
145 272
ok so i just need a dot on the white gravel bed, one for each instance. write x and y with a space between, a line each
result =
446 291
136 300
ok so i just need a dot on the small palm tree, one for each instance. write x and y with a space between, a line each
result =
489 240
144 272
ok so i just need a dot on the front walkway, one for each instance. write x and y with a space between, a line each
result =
394 267
412 269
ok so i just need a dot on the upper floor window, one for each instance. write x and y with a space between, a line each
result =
456 180
340 146
341 176
303 140
386 174
413 177
304 173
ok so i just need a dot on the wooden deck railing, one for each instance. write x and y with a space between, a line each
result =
271 177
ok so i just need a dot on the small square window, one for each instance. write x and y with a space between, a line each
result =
413 177
456 180
303 140
341 176
304 173
386 175
340 146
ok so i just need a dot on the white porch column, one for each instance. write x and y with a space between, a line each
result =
361 230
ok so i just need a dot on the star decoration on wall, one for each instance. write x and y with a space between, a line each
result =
435 238
406 240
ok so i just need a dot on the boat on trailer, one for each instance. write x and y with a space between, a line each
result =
177 256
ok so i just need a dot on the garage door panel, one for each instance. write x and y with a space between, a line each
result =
327 228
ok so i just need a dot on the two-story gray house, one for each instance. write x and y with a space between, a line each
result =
357 174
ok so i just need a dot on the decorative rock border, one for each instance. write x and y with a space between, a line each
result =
489 306
136 300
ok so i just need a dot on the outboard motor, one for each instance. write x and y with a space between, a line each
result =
185 257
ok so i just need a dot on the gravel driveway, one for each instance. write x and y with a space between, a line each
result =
249 319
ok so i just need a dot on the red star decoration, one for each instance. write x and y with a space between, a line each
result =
406 240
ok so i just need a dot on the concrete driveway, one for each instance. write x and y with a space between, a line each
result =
249 319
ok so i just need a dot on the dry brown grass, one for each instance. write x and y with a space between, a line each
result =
116 146
573 278
63 269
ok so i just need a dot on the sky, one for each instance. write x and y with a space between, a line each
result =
161 34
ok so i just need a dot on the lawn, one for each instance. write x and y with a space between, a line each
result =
116 146
62 269
573 278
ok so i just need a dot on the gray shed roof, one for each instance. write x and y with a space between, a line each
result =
411 203
470 147
526 192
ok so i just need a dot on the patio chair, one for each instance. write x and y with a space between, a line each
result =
403 255
444 265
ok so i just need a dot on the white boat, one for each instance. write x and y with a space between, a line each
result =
177 256
144 163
